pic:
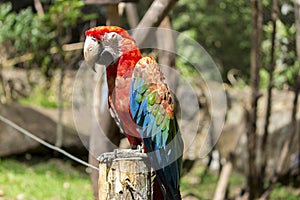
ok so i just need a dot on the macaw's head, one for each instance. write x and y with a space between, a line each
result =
105 44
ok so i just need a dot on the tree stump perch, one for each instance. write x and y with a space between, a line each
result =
125 174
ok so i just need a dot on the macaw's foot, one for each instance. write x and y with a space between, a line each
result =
141 148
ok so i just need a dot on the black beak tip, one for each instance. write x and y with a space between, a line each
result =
94 68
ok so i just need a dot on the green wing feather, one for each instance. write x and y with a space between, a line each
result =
152 109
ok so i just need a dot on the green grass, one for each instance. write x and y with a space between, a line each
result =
191 184
52 179
58 180
288 193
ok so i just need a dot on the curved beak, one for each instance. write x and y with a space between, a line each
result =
95 52
94 68
91 52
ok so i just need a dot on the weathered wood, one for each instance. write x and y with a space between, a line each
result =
125 174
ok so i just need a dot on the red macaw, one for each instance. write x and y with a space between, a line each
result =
140 103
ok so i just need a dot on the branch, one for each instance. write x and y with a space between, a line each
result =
39 7
220 192
264 161
153 17
19 59
73 46
30 56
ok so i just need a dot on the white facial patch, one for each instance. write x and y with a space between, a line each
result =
91 50
112 43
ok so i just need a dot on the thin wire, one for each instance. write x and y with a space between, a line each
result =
39 140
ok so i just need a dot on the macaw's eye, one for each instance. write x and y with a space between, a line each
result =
113 35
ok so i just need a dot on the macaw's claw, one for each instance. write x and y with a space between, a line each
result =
141 148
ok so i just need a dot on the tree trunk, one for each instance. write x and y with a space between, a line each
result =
264 151
297 22
113 17
166 53
256 6
286 146
132 15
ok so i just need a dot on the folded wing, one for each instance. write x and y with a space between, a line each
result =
152 109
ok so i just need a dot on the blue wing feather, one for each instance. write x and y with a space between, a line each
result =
160 133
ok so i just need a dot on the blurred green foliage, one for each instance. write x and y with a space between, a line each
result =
223 28
287 65
282 192
43 36
24 30
65 12
27 32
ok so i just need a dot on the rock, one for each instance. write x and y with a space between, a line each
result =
13 142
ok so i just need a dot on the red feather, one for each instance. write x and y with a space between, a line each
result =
98 31
118 79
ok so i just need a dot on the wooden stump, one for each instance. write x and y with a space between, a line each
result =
125 174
